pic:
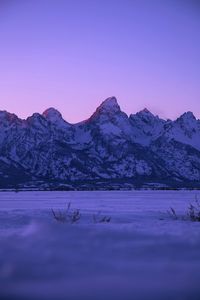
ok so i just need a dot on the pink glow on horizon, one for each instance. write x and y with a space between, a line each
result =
57 56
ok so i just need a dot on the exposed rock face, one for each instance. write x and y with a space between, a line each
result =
108 148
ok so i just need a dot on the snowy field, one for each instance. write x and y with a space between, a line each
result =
141 254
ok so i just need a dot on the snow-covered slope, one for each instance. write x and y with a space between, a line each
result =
147 127
109 149
186 130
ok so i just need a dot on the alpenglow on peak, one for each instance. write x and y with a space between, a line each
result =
109 105
108 150
52 114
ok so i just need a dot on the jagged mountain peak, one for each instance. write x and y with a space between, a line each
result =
36 120
145 113
145 116
108 146
52 114
107 110
4 113
55 117
187 116
187 120
8 117
109 105
110 101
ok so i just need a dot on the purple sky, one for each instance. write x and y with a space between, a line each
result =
72 54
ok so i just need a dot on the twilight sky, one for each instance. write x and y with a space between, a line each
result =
72 54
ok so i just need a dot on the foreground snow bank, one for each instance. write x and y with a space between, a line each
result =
141 254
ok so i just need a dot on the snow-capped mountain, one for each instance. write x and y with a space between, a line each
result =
108 150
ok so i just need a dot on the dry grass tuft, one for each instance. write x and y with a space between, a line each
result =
192 213
68 215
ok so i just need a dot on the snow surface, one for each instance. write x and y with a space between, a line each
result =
141 254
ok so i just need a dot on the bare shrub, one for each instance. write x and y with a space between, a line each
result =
59 216
71 216
192 213
68 215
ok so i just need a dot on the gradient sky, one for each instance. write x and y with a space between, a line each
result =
72 54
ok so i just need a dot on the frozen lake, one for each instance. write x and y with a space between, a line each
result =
141 254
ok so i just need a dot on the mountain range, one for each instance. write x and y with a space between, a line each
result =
110 150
